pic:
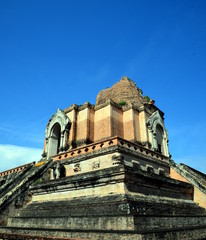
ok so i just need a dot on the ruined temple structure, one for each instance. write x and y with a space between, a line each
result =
105 173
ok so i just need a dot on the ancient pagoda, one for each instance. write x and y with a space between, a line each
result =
106 173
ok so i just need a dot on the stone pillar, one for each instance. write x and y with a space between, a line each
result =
46 147
65 139
61 142
57 170
52 174
143 126
153 139
165 146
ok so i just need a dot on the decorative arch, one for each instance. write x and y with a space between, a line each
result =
158 134
57 133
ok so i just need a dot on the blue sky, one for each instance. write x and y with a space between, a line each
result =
56 53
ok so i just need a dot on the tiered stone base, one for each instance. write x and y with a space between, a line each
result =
113 203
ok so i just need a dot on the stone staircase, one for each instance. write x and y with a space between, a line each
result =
14 185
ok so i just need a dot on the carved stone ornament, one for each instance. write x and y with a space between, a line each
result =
58 171
149 168
117 159
77 167
95 165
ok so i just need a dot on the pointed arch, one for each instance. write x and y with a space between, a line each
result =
55 139
158 133
57 133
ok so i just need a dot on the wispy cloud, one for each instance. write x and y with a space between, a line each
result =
5 129
12 156
24 132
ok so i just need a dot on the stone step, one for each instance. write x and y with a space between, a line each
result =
116 223
113 205
46 234
78 223
7 236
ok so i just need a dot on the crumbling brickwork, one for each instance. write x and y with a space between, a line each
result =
124 90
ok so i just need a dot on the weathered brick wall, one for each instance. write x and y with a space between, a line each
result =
106 121
117 122
83 124
177 176
128 124
199 197
102 123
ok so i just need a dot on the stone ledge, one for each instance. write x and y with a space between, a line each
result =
178 234
135 180
138 224
113 205
28 237
79 107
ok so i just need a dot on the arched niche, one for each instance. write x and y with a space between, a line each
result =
55 139
159 137
57 133
158 134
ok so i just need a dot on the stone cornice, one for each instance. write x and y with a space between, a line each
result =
86 105
79 107
93 148
105 104
71 108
